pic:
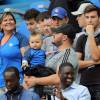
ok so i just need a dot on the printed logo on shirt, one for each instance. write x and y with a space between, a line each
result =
10 44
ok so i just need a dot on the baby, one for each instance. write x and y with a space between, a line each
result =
34 55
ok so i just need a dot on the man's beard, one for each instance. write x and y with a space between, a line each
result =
56 44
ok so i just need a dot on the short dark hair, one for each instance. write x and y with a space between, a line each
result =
31 14
65 65
42 16
12 69
91 8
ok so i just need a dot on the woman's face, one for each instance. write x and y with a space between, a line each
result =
8 23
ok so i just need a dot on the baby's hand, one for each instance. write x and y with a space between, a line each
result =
24 63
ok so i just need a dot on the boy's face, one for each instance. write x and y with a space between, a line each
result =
35 42
92 18
44 26
31 24
56 21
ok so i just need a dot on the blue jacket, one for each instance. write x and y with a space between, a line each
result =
25 95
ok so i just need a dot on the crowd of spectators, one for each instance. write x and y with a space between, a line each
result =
58 59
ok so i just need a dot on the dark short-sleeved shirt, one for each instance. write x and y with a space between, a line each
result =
88 75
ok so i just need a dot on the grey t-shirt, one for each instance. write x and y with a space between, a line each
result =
67 55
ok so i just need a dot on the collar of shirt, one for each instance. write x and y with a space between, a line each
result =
72 86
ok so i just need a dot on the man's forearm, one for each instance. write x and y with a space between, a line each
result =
49 80
95 52
85 63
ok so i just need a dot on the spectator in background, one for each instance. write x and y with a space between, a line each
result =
68 89
88 52
14 90
44 24
80 19
34 55
30 18
58 17
12 46
80 14
29 22
69 5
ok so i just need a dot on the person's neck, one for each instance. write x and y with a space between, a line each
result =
66 87
8 32
15 90
64 46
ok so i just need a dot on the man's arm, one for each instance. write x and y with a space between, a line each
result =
94 49
84 63
49 80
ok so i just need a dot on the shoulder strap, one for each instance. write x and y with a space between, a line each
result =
66 55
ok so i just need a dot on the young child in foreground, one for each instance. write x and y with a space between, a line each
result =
34 55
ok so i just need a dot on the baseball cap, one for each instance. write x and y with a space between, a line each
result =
81 9
66 29
59 12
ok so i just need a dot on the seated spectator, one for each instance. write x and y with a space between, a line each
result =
14 90
34 55
68 89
